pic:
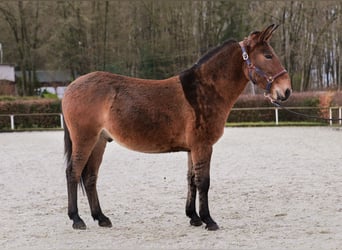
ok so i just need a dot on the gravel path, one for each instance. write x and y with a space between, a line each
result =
271 188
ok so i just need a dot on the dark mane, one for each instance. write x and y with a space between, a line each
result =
188 75
213 51
190 80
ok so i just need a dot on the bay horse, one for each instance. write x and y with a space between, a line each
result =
186 112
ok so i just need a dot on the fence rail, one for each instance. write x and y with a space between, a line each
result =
13 116
276 112
275 109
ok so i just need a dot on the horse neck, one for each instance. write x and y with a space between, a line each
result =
225 72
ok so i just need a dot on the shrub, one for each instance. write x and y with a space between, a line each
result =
30 106
318 100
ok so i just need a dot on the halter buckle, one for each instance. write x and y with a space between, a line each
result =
245 56
270 79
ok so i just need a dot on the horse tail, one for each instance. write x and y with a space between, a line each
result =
68 151
67 144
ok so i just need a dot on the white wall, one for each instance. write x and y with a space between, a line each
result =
7 72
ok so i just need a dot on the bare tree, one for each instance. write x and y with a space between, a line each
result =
156 39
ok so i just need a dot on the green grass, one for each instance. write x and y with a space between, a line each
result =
273 124
7 130
49 96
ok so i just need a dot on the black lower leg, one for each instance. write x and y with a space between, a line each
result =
190 208
203 188
78 223
96 212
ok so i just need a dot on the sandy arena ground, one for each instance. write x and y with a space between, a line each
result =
271 188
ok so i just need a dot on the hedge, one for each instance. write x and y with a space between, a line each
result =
30 106
319 100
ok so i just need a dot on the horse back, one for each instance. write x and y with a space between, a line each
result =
144 115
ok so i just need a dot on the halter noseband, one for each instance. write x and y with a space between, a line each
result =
251 67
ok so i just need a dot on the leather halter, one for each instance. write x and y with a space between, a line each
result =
251 67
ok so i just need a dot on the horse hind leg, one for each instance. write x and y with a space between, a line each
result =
89 178
78 152
72 184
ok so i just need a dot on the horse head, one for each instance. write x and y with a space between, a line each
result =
263 66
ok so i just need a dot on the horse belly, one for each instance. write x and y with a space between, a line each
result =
148 142
148 131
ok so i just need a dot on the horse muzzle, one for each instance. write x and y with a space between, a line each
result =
278 95
279 90
284 96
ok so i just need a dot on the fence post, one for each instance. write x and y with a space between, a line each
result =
340 115
276 116
12 121
330 116
62 124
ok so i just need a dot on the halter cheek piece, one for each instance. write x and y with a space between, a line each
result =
251 67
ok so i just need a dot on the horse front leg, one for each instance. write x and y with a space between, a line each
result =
190 208
201 159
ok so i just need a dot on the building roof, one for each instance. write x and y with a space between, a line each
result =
47 76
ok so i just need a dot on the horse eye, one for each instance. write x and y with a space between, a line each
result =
268 56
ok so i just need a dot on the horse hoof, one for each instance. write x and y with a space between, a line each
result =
196 222
105 223
212 227
79 225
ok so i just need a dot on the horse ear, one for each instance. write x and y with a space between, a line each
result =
252 38
266 34
260 36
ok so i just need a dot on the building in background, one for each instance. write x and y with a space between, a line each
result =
52 81
7 80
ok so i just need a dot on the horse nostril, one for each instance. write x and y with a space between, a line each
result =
283 97
287 93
